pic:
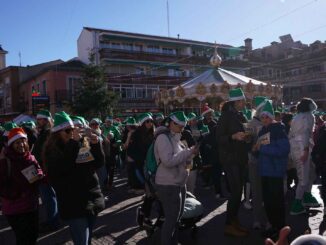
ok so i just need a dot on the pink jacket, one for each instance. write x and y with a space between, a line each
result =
17 194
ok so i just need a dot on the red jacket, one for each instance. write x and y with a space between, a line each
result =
17 194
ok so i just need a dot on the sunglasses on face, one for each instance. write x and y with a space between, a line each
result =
148 121
69 130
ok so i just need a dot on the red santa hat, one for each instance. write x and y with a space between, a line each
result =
206 109
15 134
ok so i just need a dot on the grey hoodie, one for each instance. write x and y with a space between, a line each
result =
172 157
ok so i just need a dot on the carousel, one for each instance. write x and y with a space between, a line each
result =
212 87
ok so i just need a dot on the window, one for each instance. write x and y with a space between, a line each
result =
140 70
169 51
115 45
151 91
171 72
117 90
153 49
138 47
127 46
140 93
315 88
127 93
72 85
44 87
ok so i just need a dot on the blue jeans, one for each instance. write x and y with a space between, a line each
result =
50 202
81 229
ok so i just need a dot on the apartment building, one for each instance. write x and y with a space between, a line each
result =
140 65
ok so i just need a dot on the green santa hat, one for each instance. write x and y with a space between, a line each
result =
204 130
268 109
192 116
29 124
9 126
131 121
43 114
259 101
247 113
78 121
62 121
236 94
144 117
179 117
96 121
159 116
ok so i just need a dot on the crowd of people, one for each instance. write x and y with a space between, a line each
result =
248 149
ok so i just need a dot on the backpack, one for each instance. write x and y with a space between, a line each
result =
151 164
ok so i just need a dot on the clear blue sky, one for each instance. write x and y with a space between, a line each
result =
44 30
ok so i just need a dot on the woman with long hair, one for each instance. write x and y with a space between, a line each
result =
19 179
71 162
174 161
140 141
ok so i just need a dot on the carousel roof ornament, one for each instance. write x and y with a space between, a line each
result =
215 60
216 82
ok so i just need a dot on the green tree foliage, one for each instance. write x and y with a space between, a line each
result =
93 98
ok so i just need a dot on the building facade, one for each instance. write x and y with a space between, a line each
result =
138 65
300 68
55 81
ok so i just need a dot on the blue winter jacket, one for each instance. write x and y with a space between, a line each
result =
273 158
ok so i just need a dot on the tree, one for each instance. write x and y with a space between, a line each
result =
93 98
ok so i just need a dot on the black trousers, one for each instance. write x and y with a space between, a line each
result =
25 227
235 174
273 197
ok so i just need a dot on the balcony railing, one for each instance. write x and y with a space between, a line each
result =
154 57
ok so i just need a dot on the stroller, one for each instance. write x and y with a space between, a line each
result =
193 212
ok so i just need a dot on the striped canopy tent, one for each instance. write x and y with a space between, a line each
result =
216 83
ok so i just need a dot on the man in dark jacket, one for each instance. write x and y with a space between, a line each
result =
44 125
212 148
233 155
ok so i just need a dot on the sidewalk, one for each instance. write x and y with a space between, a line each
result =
117 224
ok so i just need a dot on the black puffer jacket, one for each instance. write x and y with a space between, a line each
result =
76 185
231 151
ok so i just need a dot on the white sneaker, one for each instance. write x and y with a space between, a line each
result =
256 225
247 205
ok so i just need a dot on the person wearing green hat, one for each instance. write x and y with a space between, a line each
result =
301 135
30 129
140 142
158 119
174 162
253 127
215 175
233 155
9 126
44 123
189 137
71 170
107 145
20 175
273 148
131 126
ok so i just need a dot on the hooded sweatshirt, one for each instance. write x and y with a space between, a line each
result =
172 158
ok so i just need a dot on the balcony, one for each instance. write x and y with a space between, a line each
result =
109 53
